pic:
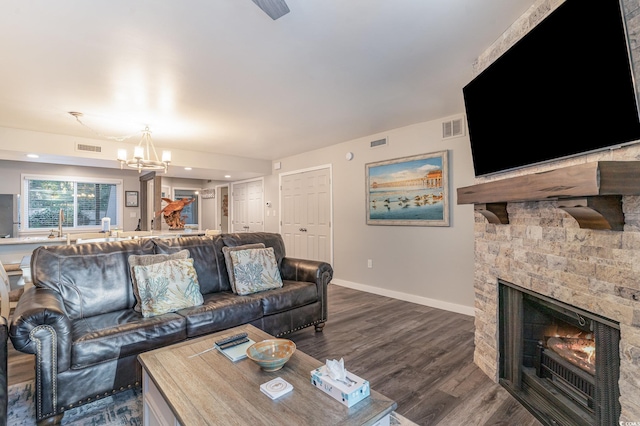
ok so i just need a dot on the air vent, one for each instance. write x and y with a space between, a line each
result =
452 128
378 143
88 148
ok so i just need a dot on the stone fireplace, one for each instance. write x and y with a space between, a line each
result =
543 250
559 361
542 246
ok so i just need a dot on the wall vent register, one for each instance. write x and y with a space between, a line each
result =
453 128
378 143
88 148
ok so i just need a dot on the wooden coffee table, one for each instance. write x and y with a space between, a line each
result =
209 389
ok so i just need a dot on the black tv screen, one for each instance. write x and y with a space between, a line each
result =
564 89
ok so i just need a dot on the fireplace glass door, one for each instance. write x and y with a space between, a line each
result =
559 361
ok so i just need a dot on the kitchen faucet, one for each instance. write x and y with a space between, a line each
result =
60 220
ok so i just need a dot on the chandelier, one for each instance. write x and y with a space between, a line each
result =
142 155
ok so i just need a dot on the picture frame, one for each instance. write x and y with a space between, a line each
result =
208 193
408 191
131 198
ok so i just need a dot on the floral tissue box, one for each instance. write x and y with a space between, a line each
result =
349 393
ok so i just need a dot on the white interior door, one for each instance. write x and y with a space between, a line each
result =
292 211
306 214
247 213
255 209
239 213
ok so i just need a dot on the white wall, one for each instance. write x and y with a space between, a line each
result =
209 217
10 183
61 149
428 265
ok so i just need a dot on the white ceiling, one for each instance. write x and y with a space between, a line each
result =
221 77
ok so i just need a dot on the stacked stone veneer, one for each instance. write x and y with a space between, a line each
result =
543 248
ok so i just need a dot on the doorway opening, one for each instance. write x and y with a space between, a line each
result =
222 208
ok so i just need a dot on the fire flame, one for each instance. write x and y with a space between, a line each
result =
581 352
591 352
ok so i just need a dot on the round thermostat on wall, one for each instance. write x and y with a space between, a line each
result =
349 156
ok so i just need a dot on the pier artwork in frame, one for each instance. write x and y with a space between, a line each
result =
408 191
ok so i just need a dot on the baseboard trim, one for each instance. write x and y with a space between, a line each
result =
439 304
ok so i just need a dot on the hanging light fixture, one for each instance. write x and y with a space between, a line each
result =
142 155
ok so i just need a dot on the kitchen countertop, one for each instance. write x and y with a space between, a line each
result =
12 250
41 240
32 240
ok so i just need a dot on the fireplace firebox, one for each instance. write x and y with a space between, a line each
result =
561 362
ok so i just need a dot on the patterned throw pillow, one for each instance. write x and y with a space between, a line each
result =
167 286
255 270
227 260
150 259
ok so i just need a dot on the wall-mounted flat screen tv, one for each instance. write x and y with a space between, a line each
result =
566 88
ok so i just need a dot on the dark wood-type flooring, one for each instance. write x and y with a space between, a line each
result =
421 357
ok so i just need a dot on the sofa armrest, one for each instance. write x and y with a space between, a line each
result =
40 326
4 398
311 271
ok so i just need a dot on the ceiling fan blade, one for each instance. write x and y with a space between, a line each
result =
273 8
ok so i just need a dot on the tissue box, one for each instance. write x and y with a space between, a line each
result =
347 395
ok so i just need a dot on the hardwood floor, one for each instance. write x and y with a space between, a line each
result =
19 366
421 357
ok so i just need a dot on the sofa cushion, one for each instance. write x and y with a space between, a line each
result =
221 311
92 278
229 263
269 239
255 270
207 256
167 286
118 334
293 294
150 259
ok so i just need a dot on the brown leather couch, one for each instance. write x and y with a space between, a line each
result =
79 317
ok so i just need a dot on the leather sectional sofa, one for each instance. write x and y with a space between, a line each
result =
79 318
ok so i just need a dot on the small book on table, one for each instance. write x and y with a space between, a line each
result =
236 352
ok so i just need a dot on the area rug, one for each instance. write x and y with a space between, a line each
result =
121 409
124 408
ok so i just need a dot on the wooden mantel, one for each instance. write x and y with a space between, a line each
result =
591 192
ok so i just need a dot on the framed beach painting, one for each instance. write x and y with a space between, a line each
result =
409 191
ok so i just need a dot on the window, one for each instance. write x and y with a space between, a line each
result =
190 213
83 201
